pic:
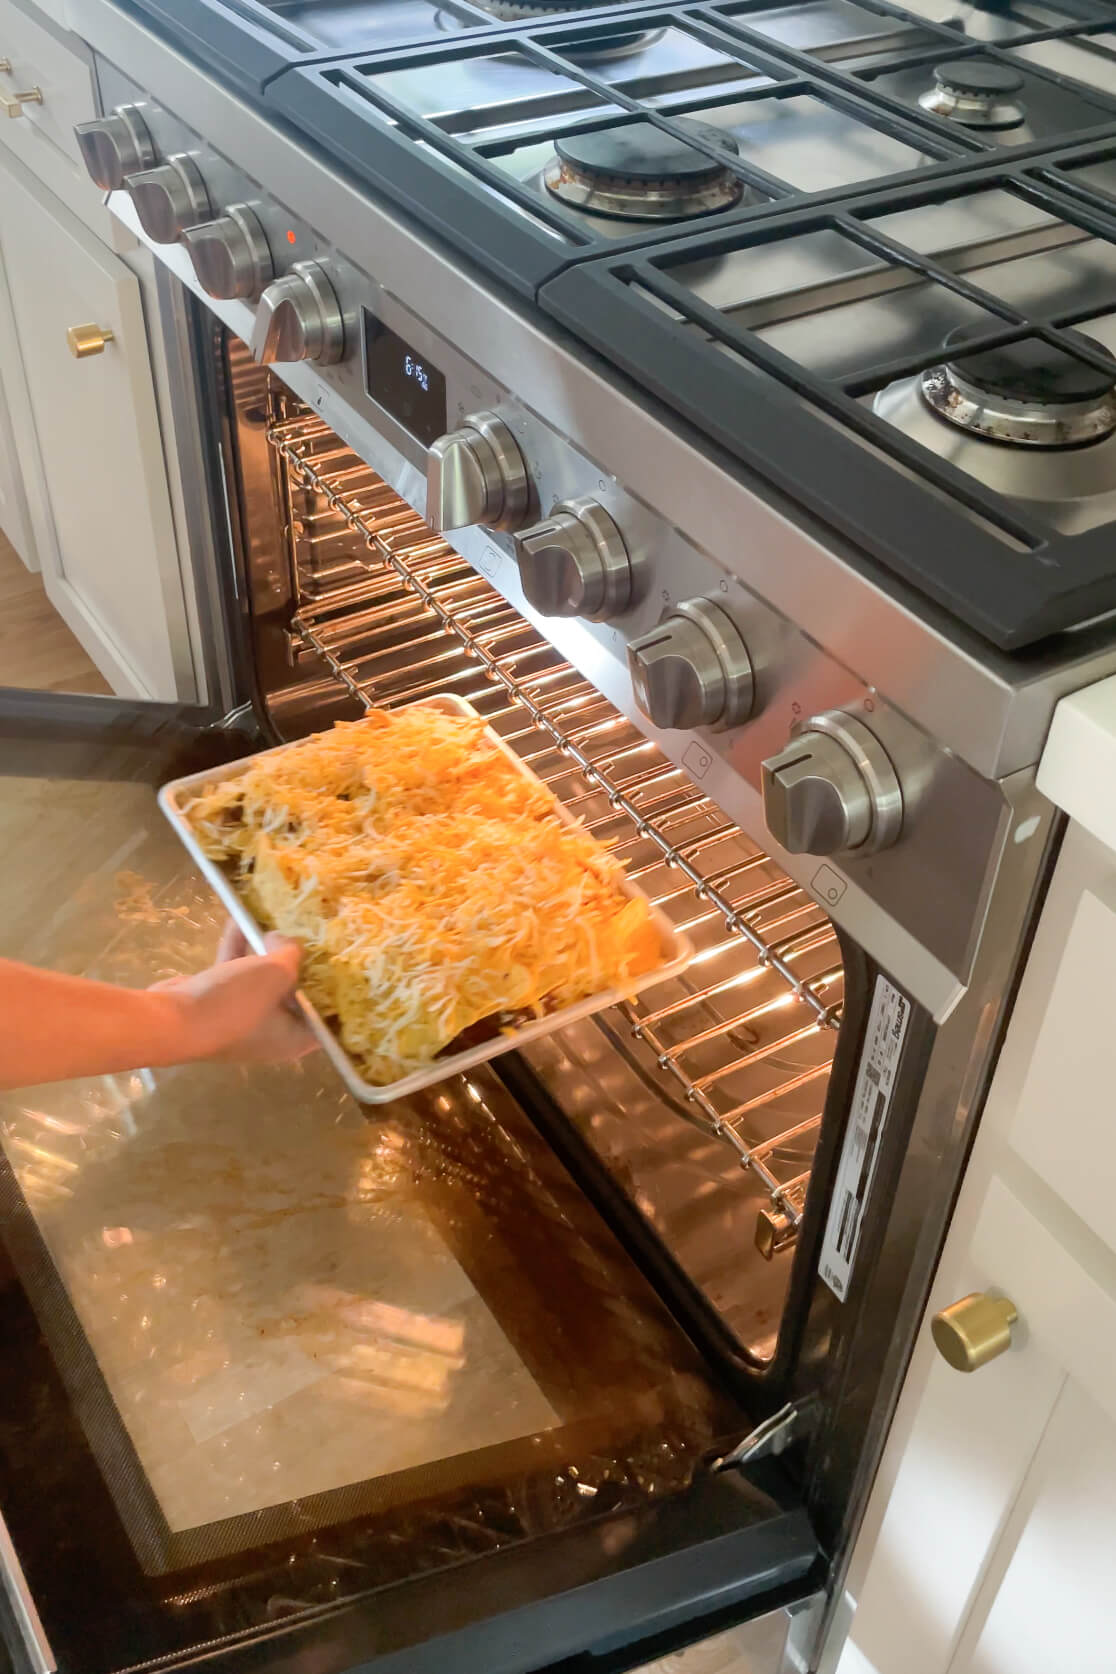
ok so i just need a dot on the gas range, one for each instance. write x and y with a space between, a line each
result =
780 222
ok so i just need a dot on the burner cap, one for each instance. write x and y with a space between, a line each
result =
981 77
1028 393
514 11
1031 371
638 172
642 152
605 46
977 93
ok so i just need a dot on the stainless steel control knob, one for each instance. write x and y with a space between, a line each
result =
833 789
693 670
299 318
169 198
115 146
477 474
575 563
230 255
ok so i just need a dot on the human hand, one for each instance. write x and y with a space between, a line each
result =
238 1010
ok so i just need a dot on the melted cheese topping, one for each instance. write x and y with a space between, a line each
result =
430 884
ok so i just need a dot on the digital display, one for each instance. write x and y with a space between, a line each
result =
403 382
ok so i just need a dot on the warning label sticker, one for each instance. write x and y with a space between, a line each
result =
879 1061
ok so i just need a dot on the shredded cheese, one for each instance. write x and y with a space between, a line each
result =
431 885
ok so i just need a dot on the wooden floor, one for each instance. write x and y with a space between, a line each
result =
37 649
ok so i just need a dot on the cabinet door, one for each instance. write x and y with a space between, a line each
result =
991 1539
108 555
14 520
1046 1601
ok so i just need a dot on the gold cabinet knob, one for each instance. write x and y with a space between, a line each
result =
86 340
12 103
973 1331
5 66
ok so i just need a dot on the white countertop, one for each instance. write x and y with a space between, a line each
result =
1078 766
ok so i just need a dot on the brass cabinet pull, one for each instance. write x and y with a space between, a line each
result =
12 103
970 1333
86 340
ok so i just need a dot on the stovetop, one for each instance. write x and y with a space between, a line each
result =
785 106
866 250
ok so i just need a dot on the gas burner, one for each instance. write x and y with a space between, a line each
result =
977 93
641 173
1027 394
607 48
515 11
1029 421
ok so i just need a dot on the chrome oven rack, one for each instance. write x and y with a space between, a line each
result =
747 1052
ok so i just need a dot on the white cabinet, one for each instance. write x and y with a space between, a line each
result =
990 1542
107 544
88 494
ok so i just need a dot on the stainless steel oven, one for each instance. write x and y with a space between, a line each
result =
589 1354
586 1355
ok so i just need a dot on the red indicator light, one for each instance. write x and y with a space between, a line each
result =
292 236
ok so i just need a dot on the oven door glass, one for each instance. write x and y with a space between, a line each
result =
289 1380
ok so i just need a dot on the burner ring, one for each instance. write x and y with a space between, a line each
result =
638 172
976 93
515 11
1028 394
606 48
609 47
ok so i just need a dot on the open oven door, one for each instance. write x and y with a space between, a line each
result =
287 1387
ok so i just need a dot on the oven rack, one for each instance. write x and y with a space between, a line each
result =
424 621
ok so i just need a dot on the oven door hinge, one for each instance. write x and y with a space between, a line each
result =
240 719
770 1438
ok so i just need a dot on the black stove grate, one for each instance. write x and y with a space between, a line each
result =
1087 172
994 563
247 43
897 60
453 166
432 129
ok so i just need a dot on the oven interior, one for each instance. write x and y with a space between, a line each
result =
705 1097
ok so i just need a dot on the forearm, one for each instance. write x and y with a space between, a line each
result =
54 1027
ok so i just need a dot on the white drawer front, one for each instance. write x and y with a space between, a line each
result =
42 136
